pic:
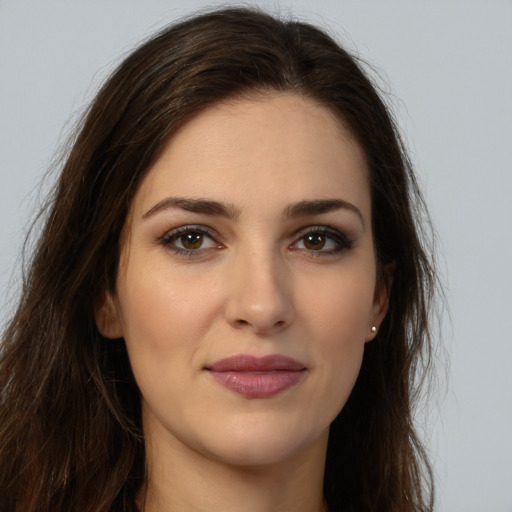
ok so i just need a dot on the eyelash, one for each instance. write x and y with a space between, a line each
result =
172 236
340 239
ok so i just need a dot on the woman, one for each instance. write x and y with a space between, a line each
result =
229 300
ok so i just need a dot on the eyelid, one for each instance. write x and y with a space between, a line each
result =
172 234
343 241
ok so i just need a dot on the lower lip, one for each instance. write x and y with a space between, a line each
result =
258 384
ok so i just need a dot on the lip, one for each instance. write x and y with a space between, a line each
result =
257 377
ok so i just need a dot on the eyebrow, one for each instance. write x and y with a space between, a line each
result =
317 207
293 211
204 206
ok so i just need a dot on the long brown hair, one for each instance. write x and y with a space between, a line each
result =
70 422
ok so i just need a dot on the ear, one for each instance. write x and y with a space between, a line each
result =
107 317
380 301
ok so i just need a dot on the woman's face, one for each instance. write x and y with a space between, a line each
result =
247 283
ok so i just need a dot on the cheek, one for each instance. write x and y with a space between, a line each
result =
338 322
340 307
163 319
161 301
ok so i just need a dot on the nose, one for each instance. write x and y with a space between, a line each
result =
260 294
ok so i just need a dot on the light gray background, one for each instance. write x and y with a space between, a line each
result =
449 67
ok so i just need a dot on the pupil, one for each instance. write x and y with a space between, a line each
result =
315 242
192 240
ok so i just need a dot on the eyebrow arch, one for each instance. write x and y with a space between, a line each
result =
204 206
316 207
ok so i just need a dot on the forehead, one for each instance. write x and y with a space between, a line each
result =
259 148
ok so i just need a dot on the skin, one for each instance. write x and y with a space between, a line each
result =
254 285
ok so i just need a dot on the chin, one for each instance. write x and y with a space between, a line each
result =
253 447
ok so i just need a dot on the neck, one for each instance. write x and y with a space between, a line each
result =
180 479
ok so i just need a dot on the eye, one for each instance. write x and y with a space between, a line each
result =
322 240
187 240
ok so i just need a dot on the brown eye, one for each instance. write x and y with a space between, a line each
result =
191 240
322 241
314 242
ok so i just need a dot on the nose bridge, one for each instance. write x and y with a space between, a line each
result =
260 290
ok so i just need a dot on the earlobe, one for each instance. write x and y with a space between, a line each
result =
380 302
107 317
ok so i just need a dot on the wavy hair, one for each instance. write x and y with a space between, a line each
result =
70 415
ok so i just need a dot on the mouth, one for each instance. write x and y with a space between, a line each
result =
257 377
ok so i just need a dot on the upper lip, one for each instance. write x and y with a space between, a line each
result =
249 363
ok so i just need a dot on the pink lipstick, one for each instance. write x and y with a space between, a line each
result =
257 377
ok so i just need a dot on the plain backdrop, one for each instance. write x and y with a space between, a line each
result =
447 66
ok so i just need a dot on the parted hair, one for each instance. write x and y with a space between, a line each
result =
71 437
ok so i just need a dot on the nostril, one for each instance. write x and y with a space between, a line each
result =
241 323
